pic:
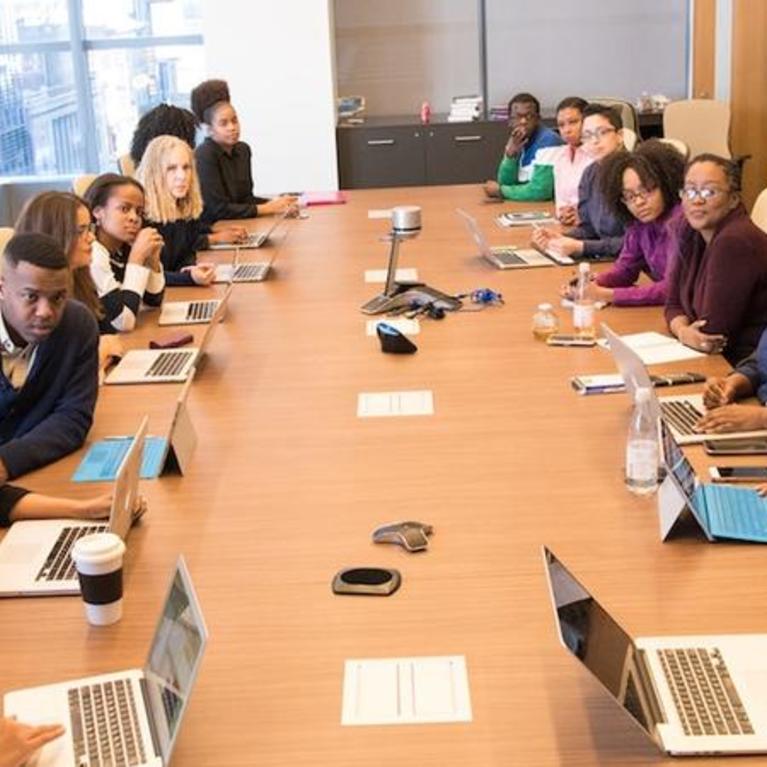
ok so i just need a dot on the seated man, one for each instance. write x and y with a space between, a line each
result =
520 177
49 351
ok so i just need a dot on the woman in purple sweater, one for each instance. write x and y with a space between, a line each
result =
642 190
717 289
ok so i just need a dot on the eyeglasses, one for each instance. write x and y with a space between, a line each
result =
705 193
85 229
597 134
630 198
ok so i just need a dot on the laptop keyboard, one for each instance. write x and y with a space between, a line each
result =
249 272
105 730
681 415
169 363
59 565
704 694
201 310
508 257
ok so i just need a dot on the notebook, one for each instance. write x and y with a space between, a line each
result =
34 554
130 717
254 239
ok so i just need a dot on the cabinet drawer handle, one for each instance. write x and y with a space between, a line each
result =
381 142
467 138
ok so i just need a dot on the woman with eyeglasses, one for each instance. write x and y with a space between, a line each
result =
717 292
599 235
67 218
642 190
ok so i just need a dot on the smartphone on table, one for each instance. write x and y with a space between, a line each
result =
738 473
739 446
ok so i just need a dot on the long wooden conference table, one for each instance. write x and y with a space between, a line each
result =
287 484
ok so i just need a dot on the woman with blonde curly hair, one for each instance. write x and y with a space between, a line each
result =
173 206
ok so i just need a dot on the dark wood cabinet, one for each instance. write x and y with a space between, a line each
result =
374 155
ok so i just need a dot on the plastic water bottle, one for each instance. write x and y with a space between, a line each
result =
583 306
642 447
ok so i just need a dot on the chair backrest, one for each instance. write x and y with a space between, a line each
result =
6 232
759 211
126 166
625 109
679 145
703 124
629 139
81 183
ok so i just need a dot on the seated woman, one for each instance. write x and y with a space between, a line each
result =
569 161
641 189
67 218
224 162
599 235
173 207
125 259
163 120
717 288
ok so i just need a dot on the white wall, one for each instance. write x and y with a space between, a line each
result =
278 60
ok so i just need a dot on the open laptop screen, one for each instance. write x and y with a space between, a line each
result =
174 659
598 642
677 464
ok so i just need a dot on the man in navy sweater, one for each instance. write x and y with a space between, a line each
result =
49 350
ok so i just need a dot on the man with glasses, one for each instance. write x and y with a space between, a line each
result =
519 176
717 294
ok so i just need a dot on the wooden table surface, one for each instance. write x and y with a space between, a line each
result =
287 484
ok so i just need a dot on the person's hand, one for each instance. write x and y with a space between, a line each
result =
718 392
97 507
516 142
729 418
541 237
18 742
202 274
492 188
227 234
285 203
565 246
761 489
110 347
691 335
146 247
567 215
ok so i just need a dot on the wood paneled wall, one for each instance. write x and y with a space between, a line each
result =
704 49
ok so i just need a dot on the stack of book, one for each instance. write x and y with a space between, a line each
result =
465 109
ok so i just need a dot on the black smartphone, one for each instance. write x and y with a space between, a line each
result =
738 473
739 446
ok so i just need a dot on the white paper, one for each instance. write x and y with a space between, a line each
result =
379 213
656 348
394 403
419 690
401 275
405 326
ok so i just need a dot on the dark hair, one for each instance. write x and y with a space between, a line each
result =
609 113
525 98
39 250
731 169
572 102
100 190
55 214
658 165
163 120
206 96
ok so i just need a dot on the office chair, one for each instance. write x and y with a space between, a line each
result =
81 183
679 145
126 166
630 139
759 211
625 110
6 232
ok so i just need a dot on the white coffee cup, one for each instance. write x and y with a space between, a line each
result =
99 562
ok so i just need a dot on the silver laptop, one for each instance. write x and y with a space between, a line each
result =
130 717
166 365
255 239
188 312
680 412
503 257
250 271
693 695
35 554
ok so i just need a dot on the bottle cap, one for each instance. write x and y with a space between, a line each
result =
583 267
544 307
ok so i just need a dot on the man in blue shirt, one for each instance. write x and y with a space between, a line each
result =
49 353
520 177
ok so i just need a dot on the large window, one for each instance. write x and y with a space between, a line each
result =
75 75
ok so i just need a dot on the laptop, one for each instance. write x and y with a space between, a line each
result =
166 365
720 511
188 312
130 717
35 554
680 412
502 257
254 239
692 695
